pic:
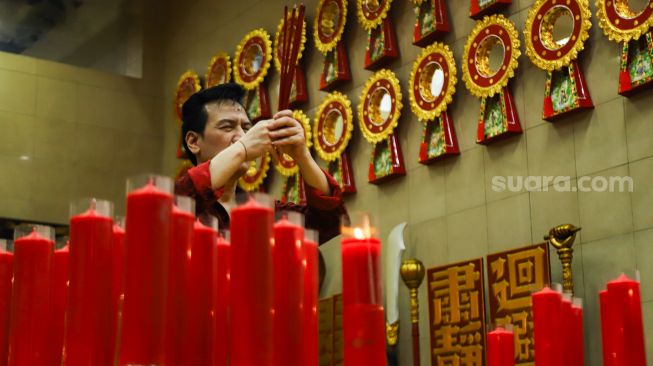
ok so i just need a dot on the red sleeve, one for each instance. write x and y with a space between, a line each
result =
321 201
201 178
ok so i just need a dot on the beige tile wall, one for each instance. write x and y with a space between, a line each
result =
451 210
68 132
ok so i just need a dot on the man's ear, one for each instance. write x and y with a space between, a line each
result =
192 139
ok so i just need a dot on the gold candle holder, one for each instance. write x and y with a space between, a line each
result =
412 273
562 238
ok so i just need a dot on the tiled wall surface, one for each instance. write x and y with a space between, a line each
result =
451 210
68 132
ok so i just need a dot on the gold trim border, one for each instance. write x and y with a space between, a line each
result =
367 24
370 136
260 32
615 34
214 59
428 115
326 47
334 97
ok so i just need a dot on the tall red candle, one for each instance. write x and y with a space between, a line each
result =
59 304
30 300
200 291
311 293
221 292
363 320
118 282
500 347
547 310
609 325
288 274
6 274
176 341
577 357
149 208
625 296
89 328
251 282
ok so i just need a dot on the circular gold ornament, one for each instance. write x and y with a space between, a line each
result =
542 48
188 84
334 123
380 106
256 174
219 70
620 23
252 60
371 13
432 82
286 166
280 36
329 24
480 77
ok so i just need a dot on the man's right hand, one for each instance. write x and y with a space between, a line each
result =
257 140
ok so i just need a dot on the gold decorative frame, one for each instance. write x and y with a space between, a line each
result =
500 30
619 23
223 60
327 42
429 108
286 166
384 81
188 84
256 174
260 38
372 18
334 102
278 37
538 32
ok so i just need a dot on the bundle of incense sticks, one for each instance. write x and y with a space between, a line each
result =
293 23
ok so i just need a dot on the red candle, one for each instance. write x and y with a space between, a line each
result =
609 325
625 296
251 283
30 300
200 291
182 220
6 273
500 347
89 326
576 334
149 208
221 301
547 310
363 320
288 273
59 304
118 283
311 293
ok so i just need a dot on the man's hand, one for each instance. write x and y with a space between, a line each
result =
288 135
258 140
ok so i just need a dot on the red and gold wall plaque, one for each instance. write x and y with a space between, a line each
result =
378 115
298 93
328 29
219 70
631 27
334 123
512 277
432 21
252 61
432 86
188 84
293 190
490 60
480 8
381 39
255 178
555 34
457 313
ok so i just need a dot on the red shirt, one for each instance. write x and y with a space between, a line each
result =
322 212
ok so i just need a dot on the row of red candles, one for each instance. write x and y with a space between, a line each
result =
164 291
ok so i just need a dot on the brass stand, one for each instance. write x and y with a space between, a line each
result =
562 238
412 272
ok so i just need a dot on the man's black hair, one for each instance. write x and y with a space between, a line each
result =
193 112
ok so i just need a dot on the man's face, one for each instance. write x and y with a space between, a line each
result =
226 123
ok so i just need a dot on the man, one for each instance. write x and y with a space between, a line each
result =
221 141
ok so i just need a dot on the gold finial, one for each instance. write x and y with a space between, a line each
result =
412 272
562 238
